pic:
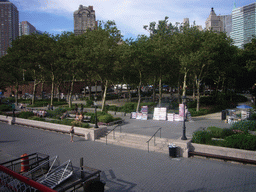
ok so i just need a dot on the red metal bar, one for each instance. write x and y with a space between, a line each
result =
26 180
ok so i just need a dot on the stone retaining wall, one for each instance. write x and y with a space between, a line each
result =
90 134
223 151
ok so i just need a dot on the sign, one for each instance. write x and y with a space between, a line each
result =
139 115
134 115
170 117
144 109
160 113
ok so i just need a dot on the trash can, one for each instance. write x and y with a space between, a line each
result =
223 115
172 150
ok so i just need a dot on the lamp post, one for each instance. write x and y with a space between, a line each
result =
96 123
184 126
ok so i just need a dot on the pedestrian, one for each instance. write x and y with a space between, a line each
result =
48 106
82 108
71 132
52 107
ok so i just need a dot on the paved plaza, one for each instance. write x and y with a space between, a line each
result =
127 169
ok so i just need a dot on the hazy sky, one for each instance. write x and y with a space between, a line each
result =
55 16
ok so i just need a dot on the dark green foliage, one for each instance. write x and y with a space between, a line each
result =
36 118
106 118
25 114
128 107
241 141
56 113
245 126
226 132
202 137
89 103
215 131
191 104
5 107
253 116
194 113
112 108
44 103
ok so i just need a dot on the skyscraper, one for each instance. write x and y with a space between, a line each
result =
84 18
9 25
25 28
221 23
243 24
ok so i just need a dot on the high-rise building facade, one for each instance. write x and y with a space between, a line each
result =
243 24
84 18
9 25
25 28
221 23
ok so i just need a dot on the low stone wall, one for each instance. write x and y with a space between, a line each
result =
90 134
223 151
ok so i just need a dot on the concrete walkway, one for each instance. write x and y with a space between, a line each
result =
127 169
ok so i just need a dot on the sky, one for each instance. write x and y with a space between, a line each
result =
56 16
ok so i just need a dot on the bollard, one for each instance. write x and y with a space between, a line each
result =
24 163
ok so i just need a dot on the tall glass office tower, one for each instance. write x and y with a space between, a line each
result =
243 24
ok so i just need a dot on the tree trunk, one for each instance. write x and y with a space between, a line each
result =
138 105
34 92
52 91
58 91
184 84
179 90
194 92
198 95
90 90
160 91
42 90
104 96
154 89
70 93
16 94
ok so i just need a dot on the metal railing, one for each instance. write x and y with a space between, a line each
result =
12 181
154 137
33 160
113 130
57 175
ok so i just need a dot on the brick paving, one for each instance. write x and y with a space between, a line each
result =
127 169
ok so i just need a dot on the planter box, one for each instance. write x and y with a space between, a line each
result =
120 113
111 112
223 151
89 133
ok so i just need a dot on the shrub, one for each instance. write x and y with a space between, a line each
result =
89 103
36 118
106 118
194 113
241 141
5 107
191 104
25 114
253 116
245 126
226 132
128 107
56 113
112 108
202 137
215 131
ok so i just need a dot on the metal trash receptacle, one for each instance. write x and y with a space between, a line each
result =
172 150
223 114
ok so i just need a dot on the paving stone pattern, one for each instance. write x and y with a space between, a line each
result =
127 169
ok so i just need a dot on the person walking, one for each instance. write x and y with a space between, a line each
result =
72 131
